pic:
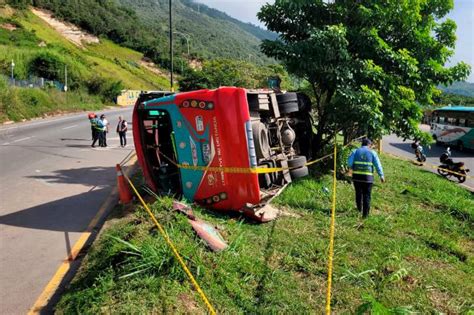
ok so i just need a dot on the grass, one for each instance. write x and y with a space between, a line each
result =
106 60
413 254
25 103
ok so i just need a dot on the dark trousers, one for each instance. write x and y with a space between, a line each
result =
104 139
100 136
95 137
123 138
363 192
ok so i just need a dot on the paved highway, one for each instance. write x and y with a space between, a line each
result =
52 184
394 145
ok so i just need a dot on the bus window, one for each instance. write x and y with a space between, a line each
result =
470 123
441 120
462 122
451 121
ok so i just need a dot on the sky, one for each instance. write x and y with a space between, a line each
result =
463 15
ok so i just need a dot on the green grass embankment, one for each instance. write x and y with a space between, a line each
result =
25 103
413 254
93 70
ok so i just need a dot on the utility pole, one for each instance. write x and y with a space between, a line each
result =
13 77
171 50
65 78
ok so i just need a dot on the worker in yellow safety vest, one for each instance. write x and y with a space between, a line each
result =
363 161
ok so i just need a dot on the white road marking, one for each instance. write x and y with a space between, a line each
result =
6 143
69 127
55 119
22 139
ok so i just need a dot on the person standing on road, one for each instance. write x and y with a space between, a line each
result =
122 131
92 116
97 127
362 161
105 130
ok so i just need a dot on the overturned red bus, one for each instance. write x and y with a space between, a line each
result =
226 128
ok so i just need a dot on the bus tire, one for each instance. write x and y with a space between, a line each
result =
297 161
287 102
299 172
261 141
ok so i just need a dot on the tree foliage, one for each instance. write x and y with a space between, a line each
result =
143 25
371 64
227 72
211 33
454 100
104 18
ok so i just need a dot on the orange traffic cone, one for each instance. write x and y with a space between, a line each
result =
124 190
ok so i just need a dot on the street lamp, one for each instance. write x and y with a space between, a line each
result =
186 36
171 49
13 67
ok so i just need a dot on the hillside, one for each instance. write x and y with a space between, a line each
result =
213 33
143 26
104 59
460 88
95 69
256 31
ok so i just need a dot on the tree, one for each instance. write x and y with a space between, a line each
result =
371 64
228 72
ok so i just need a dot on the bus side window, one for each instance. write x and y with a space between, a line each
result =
462 122
441 120
470 123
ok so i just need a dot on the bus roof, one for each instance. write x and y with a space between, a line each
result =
456 109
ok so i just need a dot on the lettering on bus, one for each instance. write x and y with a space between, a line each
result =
217 140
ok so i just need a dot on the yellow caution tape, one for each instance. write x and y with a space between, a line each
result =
436 167
246 170
331 234
174 250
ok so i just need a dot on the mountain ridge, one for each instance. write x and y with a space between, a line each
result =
459 88
255 30
212 33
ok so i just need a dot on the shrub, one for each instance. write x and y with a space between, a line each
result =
108 89
47 65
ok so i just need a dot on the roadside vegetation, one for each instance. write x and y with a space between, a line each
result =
143 26
413 254
96 72
26 103
454 100
460 88
227 72
371 66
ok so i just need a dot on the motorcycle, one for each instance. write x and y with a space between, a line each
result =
420 156
449 168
